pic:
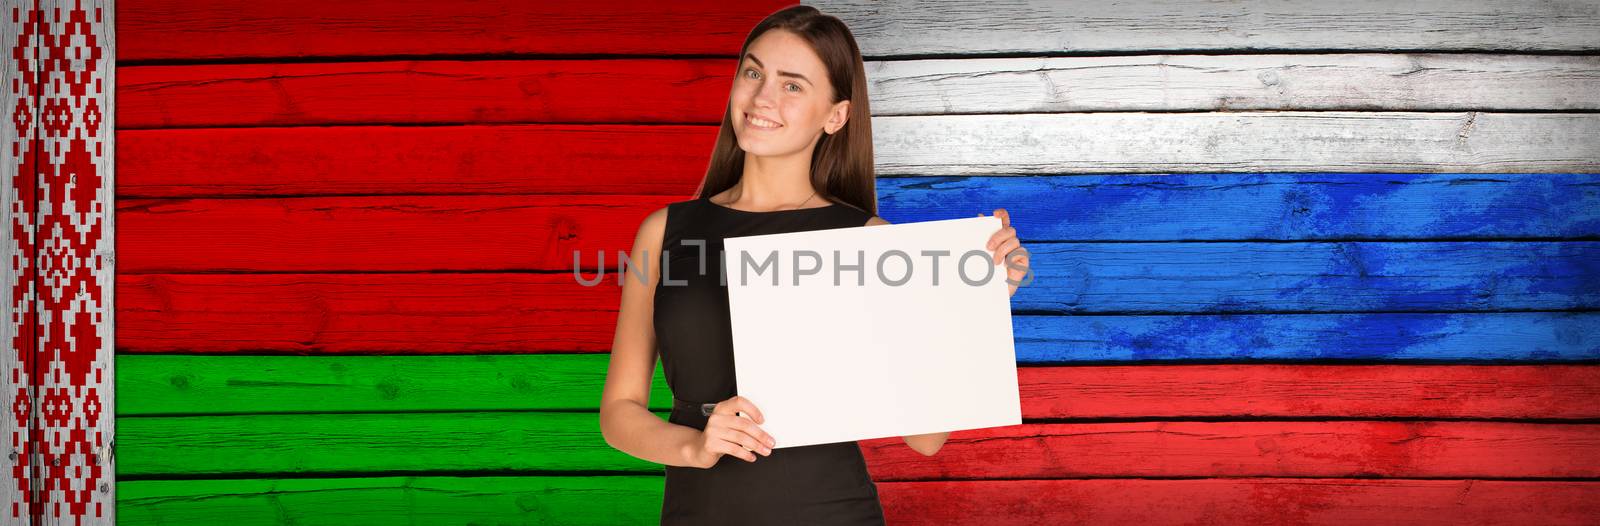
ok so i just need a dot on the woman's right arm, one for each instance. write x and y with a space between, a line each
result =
625 417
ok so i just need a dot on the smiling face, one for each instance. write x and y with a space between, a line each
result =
782 101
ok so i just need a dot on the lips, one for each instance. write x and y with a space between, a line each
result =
761 123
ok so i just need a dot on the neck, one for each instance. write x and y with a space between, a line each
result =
774 182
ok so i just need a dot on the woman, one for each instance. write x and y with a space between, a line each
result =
794 153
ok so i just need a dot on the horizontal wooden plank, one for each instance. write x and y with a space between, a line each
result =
1288 141
411 313
231 30
1240 501
386 233
637 500
968 27
1427 337
426 92
1313 276
367 443
1276 206
379 160
1350 81
599 501
522 313
1248 449
175 385
539 441
1299 391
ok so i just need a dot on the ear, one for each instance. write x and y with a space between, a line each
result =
837 117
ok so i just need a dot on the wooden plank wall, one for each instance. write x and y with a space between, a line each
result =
1298 262
58 179
1276 244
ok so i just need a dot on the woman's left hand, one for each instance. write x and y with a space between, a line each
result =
1008 249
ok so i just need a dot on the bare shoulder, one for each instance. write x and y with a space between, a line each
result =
876 221
652 229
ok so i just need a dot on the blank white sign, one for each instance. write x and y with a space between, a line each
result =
904 344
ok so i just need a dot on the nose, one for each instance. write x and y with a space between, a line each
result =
764 98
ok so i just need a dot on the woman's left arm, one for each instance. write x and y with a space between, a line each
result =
1001 243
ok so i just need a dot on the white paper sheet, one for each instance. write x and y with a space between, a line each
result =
869 359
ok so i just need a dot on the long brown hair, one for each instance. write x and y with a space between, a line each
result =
841 163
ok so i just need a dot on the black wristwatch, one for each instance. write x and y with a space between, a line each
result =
705 409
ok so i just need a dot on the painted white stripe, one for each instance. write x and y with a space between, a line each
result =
1470 142
1385 82
942 27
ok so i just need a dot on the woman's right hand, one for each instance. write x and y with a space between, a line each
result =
727 433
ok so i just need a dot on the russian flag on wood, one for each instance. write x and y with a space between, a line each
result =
1297 263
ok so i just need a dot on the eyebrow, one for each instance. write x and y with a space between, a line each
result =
780 73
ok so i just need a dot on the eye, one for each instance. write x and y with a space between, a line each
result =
796 87
749 71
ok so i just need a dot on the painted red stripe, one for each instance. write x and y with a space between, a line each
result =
1240 501
477 92
1360 449
536 159
188 30
430 233
1281 390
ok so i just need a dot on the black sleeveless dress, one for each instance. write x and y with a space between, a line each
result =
816 484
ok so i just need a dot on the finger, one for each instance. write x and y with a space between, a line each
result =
1005 217
999 236
756 431
750 442
1005 248
749 408
737 441
729 448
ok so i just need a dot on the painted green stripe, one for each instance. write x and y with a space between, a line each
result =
228 384
151 447
393 500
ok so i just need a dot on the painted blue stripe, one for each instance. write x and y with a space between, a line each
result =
1269 206
1522 336
1261 277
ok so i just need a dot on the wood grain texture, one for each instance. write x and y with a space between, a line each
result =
194 385
426 92
434 160
490 233
963 27
384 233
1355 81
456 313
637 500
440 499
175 30
369 442
1389 336
1240 501
490 442
695 90
19 480
602 160
1310 276
1289 141
1276 206
1248 449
